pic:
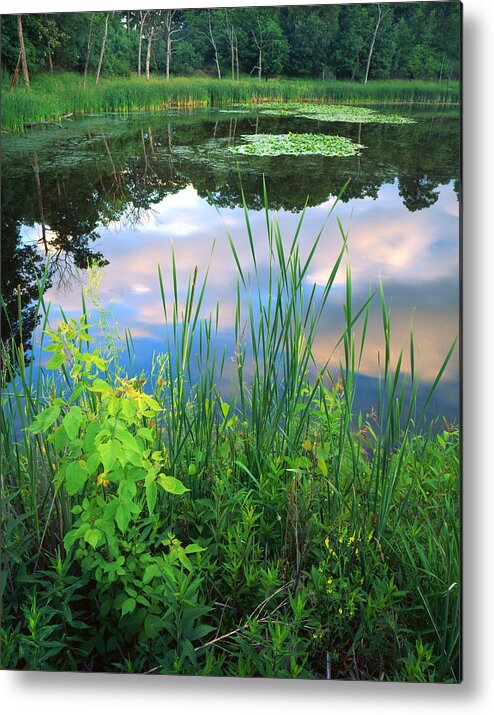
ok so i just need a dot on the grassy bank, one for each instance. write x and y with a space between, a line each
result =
150 526
52 96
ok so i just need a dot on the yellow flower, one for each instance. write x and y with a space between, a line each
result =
330 580
340 611
326 541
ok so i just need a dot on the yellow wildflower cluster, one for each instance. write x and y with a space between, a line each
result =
101 480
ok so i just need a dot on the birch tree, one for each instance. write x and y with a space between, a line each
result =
88 49
103 45
232 40
259 43
170 30
142 20
210 36
22 50
380 17
152 31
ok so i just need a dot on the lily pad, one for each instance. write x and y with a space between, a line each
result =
296 145
331 113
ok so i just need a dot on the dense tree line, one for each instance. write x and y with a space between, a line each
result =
358 42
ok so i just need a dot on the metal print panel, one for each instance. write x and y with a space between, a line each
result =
230 358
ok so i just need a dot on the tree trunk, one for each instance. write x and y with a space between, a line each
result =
215 47
88 51
35 165
148 55
141 32
102 53
230 36
16 74
168 55
259 43
236 57
380 17
169 39
50 60
25 72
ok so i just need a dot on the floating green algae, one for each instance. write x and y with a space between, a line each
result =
296 145
331 113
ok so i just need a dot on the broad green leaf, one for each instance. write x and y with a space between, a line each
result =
225 409
127 489
151 402
194 549
75 478
200 631
151 572
151 493
72 421
93 462
128 440
101 386
60 438
109 453
172 485
69 539
98 361
122 517
323 467
92 536
183 559
56 361
145 433
143 600
129 409
45 419
152 625
128 606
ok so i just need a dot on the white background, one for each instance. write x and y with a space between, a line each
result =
72 694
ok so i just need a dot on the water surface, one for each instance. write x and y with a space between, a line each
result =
124 189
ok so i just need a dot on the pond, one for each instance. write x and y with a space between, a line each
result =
125 189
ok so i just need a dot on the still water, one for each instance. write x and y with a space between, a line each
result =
124 189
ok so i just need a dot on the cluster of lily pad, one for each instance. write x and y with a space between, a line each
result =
297 145
331 113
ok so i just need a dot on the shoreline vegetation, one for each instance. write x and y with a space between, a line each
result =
150 526
52 96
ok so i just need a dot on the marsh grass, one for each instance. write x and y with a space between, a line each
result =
50 96
321 543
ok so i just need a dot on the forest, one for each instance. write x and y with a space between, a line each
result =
416 41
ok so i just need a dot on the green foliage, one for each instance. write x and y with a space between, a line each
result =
414 40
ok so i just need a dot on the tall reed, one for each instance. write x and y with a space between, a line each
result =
287 434
50 96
